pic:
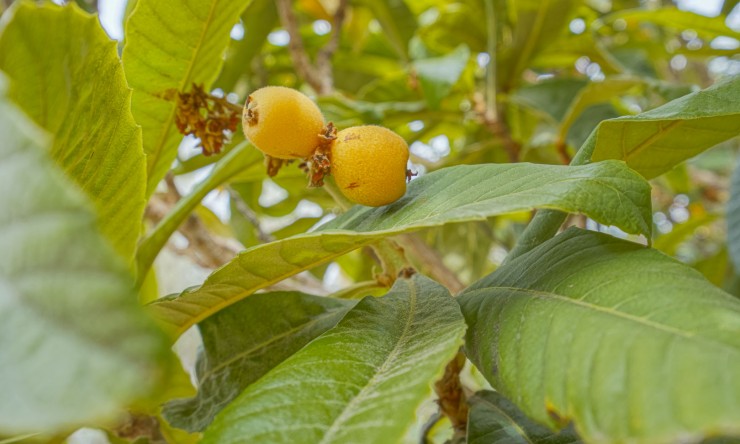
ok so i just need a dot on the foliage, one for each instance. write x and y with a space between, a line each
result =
320 321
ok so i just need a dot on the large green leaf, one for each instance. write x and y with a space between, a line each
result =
733 219
75 346
657 140
247 340
629 344
67 77
494 419
360 382
171 45
608 192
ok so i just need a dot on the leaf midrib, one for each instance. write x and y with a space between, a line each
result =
185 81
391 358
662 130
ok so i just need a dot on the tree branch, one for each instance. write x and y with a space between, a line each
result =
320 76
431 262
323 59
297 50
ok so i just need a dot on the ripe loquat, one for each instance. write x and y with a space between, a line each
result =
282 122
369 164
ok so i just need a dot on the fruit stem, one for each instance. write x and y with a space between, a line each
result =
390 255
392 260
331 187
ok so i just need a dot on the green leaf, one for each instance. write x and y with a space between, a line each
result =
593 94
361 381
668 243
438 75
396 19
733 219
244 342
494 419
625 342
706 27
534 23
608 192
258 20
75 345
67 77
655 141
171 45
234 162
552 96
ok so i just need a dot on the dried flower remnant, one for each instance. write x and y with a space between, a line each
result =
320 162
209 118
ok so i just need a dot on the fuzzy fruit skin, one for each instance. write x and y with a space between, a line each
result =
369 164
282 122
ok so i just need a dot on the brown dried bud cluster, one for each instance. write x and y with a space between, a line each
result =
209 118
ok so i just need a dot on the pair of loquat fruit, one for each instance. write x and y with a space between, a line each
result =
368 162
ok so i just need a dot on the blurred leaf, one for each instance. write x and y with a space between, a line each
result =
595 93
728 6
494 419
562 333
554 97
67 77
301 225
229 166
360 290
361 381
608 192
668 243
586 123
212 222
258 20
76 348
678 180
733 219
706 27
458 23
438 75
465 248
244 342
533 25
715 267
397 21
170 45
655 141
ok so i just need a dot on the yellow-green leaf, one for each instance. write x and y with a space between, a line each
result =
66 75
169 46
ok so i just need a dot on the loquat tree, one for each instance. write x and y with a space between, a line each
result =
369 221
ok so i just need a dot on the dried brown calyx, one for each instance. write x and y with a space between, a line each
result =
319 164
210 118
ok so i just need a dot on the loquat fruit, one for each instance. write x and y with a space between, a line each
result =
369 164
282 122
